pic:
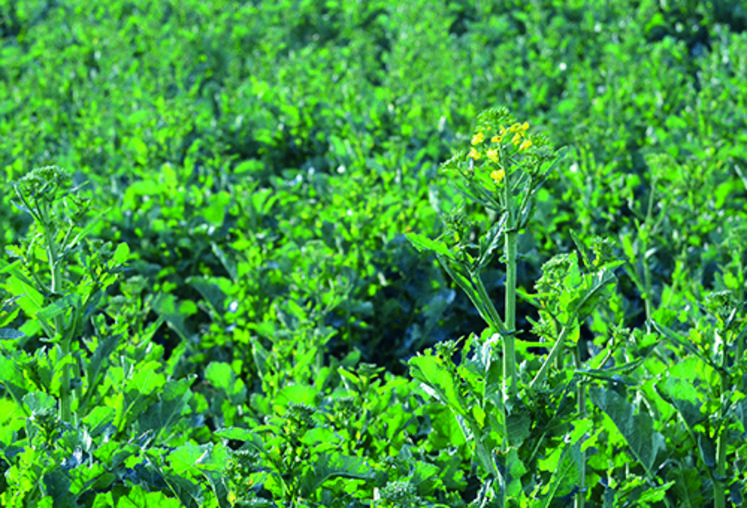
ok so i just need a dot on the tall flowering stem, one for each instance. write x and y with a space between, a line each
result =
505 166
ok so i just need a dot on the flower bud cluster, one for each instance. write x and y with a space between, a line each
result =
494 143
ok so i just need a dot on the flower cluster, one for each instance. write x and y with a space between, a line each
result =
498 144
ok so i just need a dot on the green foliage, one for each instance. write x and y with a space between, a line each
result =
216 302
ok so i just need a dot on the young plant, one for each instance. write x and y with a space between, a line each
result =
58 280
93 394
502 171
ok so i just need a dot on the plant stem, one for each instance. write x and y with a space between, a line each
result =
554 353
55 289
581 396
509 350
719 496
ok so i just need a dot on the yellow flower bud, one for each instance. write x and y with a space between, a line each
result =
478 138
492 155
525 144
474 153
498 175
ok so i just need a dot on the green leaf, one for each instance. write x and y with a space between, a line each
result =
39 402
683 396
296 394
227 263
638 430
334 466
198 459
215 212
223 378
175 315
31 300
426 244
512 469
251 439
138 498
683 342
565 476
11 334
439 380
211 292
173 400
99 418
12 378
96 366
121 255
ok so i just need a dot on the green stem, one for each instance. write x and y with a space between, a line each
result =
486 307
554 353
581 396
648 286
649 224
719 496
59 321
509 349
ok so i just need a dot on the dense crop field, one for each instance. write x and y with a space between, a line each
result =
386 254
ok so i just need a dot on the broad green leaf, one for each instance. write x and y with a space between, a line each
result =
215 212
175 314
198 459
121 254
334 466
322 438
251 439
139 498
30 299
445 431
646 444
599 282
12 379
429 370
227 263
511 469
39 402
565 477
296 394
223 378
683 342
96 367
211 292
688 487
683 396
172 401
423 243
103 500
518 426
57 485
11 334
99 418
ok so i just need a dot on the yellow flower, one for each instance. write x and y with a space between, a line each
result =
503 131
525 144
515 128
517 139
498 175
497 139
478 138
474 154
492 155
524 126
